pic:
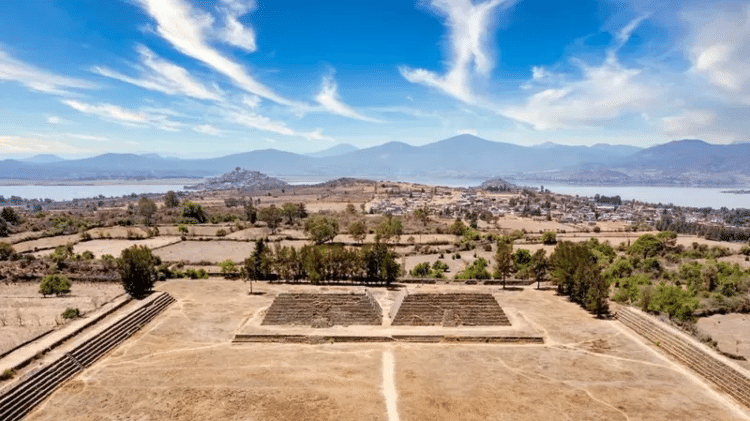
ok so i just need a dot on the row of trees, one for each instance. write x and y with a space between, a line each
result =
373 263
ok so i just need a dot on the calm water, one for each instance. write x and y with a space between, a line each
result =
80 192
681 196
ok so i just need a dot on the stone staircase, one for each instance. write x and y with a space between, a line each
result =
323 310
725 377
449 310
19 400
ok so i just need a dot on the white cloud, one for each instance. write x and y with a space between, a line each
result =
188 30
468 131
124 116
719 46
234 33
56 120
37 79
469 28
317 134
12 145
252 101
260 122
162 76
604 93
207 129
623 36
328 97
87 137
690 123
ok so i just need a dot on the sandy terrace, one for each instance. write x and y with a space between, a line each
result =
115 247
46 243
731 331
24 313
210 251
183 366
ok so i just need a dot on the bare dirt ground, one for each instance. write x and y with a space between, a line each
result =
731 331
46 243
24 313
183 366
209 251
115 247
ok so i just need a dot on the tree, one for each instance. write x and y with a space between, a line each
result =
193 212
228 268
6 251
137 268
477 270
55 284
4 228
358 231
423 215
171 200
457 228
389 229
251 213
147 209
321 229
291 211
539 265
10 215
350 209
272 216
549 238
504 258
380 263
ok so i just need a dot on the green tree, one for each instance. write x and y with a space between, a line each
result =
63 253
390 229
539 266
421 270
137 268
477 270
251 214
423 215
272 216
358 231
549 238
457 228
259 264
504 258
321 229
55 284
171 200
6 251
380 263
147 209
228 268
4 231
193 212
10 215
291 211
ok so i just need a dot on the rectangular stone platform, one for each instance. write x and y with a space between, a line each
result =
323 310
450 309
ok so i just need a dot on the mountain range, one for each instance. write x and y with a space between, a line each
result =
681 162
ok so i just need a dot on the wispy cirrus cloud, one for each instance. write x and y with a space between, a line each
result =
160 75
235 33
329 99
117 114
259 122
207 129
189 30
469 28
17 145
37 79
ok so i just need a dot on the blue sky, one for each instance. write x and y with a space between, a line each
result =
204 79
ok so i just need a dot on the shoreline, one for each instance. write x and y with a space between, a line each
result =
113 182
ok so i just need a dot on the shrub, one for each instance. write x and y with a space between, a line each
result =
7 374
193 212
321 229
477 270
171 200
71 313
421 270
137 267
6 251
10 215
109 261
221 232
673 300
87 255
228 267
4 231
457 228
549 238
55 284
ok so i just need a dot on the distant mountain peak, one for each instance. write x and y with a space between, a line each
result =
45 158
338 150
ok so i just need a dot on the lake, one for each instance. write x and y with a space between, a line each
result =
681 196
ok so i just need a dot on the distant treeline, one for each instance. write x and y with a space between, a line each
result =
710 232
610 200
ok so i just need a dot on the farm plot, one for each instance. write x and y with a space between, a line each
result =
205 251
115 247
